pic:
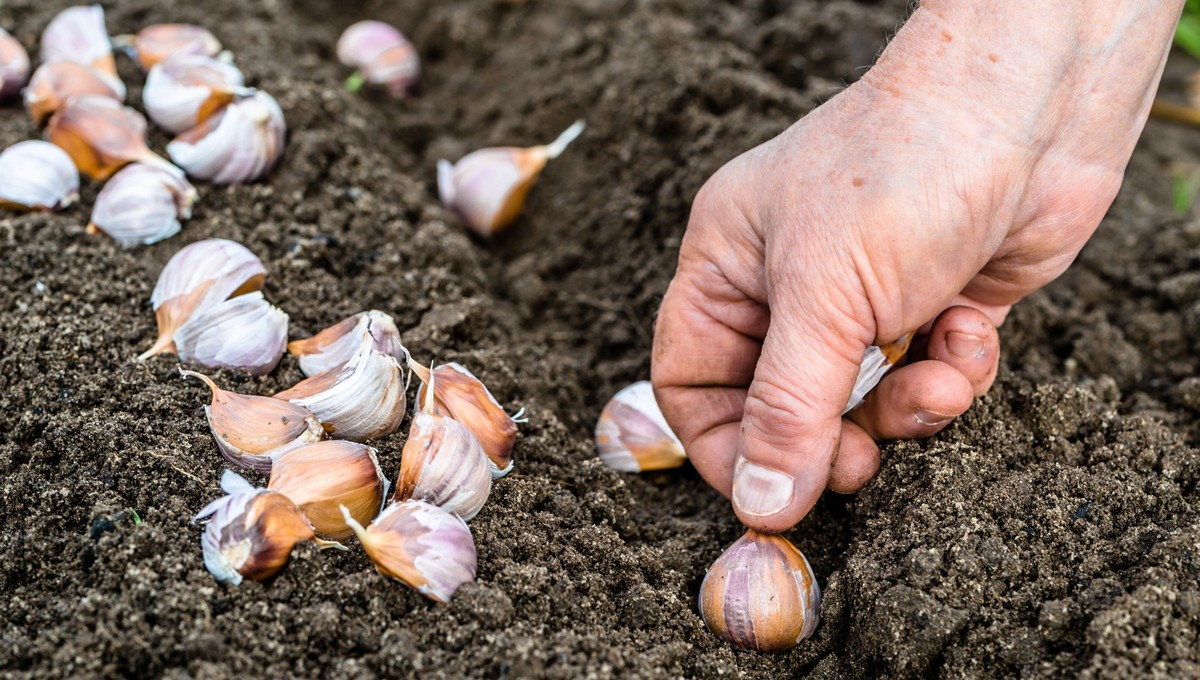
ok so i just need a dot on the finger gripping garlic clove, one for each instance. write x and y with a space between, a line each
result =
761 594
633 436
245 332
466 399
156 43
324 477
14 65
101 135
78 34
37 176
142 204
186 90
239 143
382 55
55 82
336 345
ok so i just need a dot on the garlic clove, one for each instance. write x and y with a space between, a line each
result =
420 545
876 362
245 332
78 34
142 204
321 478
14 65
761 594
487 188
251 532
37 176
467 400
55 82
382 55
239 143
101 135
187 89
156 43
633 436
253 431
334 346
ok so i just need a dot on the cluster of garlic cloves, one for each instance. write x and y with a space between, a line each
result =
142 204
381 55
14 66
633 436
37 176
333 347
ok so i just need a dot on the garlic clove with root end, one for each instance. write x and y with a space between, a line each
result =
187 89
78 34
633 436
156 43
142 204
252 431
37 176
322 478
876 362
55 82
761 594
245 332
334 346
420 545
487 188
251 532
240 143
101 135
14 66
382 55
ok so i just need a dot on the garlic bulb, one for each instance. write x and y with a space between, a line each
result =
633 436
876 362
156 43
420 545
363 400
240 143
382 55
322 478
14 65
55 82
244 332
334 346
37 176
761 594
487 188
253 431
464 398
251 532
187 89
101 135
78 34
142 204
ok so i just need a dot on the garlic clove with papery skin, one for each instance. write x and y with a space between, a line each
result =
78 34
761 594
240 143
420 545
156 43
54 82
245 332
876 362
101 135
37 175
487 188
324 477
14 65
633 436
142 204
334 346
382 56
187 89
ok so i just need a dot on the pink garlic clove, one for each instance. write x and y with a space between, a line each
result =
240 143
338 344
37 175
78 34
633 436
156 43
382 55
245 332
142 204
14 66
187 89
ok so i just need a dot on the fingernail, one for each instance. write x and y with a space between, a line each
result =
964 345
759 490
932 418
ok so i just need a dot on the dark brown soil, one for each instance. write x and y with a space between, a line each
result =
1053 532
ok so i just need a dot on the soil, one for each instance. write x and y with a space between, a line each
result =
1054 531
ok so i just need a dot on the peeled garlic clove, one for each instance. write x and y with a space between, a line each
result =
633 436
244 332
185 90
239 143
78 34
382 55
334 346
365 399
251 532
156 43
464 398
322 478
487 188
420 545
252 431
876 362
37 176
761 594
142 204
57 81
101 135
14 65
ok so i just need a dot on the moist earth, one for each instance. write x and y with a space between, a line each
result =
1053 531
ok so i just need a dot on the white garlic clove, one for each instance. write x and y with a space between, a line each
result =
382 55
156 43
187 89
463 397
761 594
420 545
37 176
334 346
876 362
633 436
14 65
55 82
142 204
78 34
239 143
487 188
245 332
322 478
101 135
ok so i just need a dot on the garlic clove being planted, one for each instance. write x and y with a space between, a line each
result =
101 135
156 43
239 143
633 436
382 55
334 346
251 532
420 545
55 82
322 478
876 362
761 594
14 65
37 175
78 34
245 332
187 89
487 188
251 431
142 204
